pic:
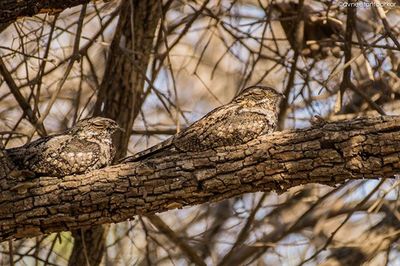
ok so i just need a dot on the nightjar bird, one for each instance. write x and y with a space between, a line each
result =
253 112
85 147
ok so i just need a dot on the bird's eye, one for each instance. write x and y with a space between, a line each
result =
99 124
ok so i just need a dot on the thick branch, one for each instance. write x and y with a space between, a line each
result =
327 154
10 10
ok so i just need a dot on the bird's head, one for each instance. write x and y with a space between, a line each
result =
96 126
259 95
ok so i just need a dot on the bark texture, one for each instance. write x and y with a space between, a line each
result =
327 153
120 97
121 93
10 10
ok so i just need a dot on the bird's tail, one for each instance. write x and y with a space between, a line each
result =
150 152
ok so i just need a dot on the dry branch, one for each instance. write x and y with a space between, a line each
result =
328 154
10 10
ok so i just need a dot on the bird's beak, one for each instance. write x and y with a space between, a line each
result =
282 95
117 127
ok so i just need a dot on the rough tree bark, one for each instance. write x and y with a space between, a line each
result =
10 10
121 93
120 97
327 154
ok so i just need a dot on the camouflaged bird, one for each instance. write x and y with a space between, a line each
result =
253 112
85 147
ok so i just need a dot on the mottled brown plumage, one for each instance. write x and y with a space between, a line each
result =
251 113
85 147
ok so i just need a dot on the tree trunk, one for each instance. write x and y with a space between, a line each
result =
120 98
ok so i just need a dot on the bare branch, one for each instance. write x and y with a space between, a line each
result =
10 10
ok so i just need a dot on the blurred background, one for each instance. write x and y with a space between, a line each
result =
158 66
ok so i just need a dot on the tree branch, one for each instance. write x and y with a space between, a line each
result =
10 10
327 154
